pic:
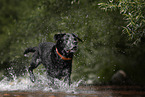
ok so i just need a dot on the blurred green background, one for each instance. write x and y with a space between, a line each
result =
112 32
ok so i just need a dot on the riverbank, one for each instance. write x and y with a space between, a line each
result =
84 91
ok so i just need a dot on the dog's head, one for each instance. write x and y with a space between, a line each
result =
67 42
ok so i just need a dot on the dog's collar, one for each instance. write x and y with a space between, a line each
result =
62 57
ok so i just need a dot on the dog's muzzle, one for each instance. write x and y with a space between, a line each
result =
71 43
71 46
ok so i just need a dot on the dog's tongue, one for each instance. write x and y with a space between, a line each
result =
68 51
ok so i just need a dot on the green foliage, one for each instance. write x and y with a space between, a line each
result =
134 14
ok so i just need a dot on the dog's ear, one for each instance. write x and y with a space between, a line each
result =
77 37
58 36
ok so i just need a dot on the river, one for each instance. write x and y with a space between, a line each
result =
23 87
82 91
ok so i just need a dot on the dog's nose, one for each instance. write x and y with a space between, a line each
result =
75 43
75 47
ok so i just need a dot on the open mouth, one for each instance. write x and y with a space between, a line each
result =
72 50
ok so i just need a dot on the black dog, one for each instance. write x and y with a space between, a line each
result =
57 58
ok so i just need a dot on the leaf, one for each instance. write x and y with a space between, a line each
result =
127 30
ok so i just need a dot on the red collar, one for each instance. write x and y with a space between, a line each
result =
62 57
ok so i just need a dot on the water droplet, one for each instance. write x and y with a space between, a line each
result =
87 16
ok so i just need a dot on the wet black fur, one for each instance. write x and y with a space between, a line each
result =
46 54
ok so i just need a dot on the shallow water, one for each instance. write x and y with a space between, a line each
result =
23 87
81 92
41 84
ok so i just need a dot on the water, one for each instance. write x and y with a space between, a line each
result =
41 84
23 87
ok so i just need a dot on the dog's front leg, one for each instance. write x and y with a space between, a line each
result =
67 79
32 77
36 61
51 80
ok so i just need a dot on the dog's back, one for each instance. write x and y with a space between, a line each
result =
45 51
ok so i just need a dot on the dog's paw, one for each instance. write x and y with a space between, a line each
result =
32 78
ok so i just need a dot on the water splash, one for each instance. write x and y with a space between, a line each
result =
41 84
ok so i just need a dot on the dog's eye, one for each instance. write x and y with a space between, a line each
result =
67 38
